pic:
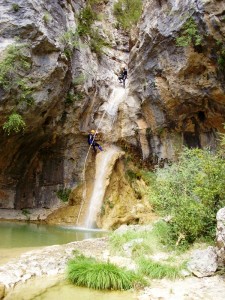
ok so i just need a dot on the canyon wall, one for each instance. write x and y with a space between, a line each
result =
174 96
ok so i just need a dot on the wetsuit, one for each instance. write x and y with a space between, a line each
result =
91 141
123 75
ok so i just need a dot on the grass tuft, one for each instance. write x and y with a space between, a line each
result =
156 270
88 272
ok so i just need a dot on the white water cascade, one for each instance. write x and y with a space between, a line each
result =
104 164
110 109
104 160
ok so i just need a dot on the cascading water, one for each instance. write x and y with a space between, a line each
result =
105 160
110 109
104 164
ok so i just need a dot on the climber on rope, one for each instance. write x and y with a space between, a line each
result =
92 140
123 75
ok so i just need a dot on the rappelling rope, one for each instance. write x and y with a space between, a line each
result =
84 169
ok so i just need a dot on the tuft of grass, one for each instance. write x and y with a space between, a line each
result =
15 123
156 270
88 272
149 245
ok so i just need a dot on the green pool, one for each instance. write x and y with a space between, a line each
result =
14 235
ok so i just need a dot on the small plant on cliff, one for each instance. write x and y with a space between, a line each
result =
221 59
86 19
63 194
15 123
15 7
189 34
47 17
127 12
88 272
71 40
191 192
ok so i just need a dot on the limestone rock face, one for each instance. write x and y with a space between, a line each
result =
203 262
220 236
49 154
180 89
174 96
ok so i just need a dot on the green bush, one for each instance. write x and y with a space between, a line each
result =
15 123
71 41
63 194
157 270
88 272
189 34
127 12
85 20
15 7
191 191
97 43
12 64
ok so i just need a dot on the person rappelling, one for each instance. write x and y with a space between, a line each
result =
122 75
92 140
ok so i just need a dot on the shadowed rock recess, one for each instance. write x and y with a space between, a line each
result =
175 95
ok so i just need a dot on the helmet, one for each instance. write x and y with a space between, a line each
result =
93 131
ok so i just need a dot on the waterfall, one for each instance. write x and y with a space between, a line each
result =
104 164
110 109
104 160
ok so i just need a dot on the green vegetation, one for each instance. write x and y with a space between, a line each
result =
86 19
150 243
127 13
191 191
13 63
189 34
157 270
15 7
71 40
221 59
15 123
47 17
83 271
74 96
63 194
26 213
13 71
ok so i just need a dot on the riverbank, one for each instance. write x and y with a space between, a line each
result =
51 262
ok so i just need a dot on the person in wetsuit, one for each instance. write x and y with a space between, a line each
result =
123 75
92 141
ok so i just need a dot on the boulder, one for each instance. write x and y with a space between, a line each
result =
203 262
220 236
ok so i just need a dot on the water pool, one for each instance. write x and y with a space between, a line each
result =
15 235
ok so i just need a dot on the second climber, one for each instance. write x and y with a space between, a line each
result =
92 140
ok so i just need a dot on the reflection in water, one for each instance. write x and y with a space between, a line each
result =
57 288
15 235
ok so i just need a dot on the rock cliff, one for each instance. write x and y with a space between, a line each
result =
64 87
